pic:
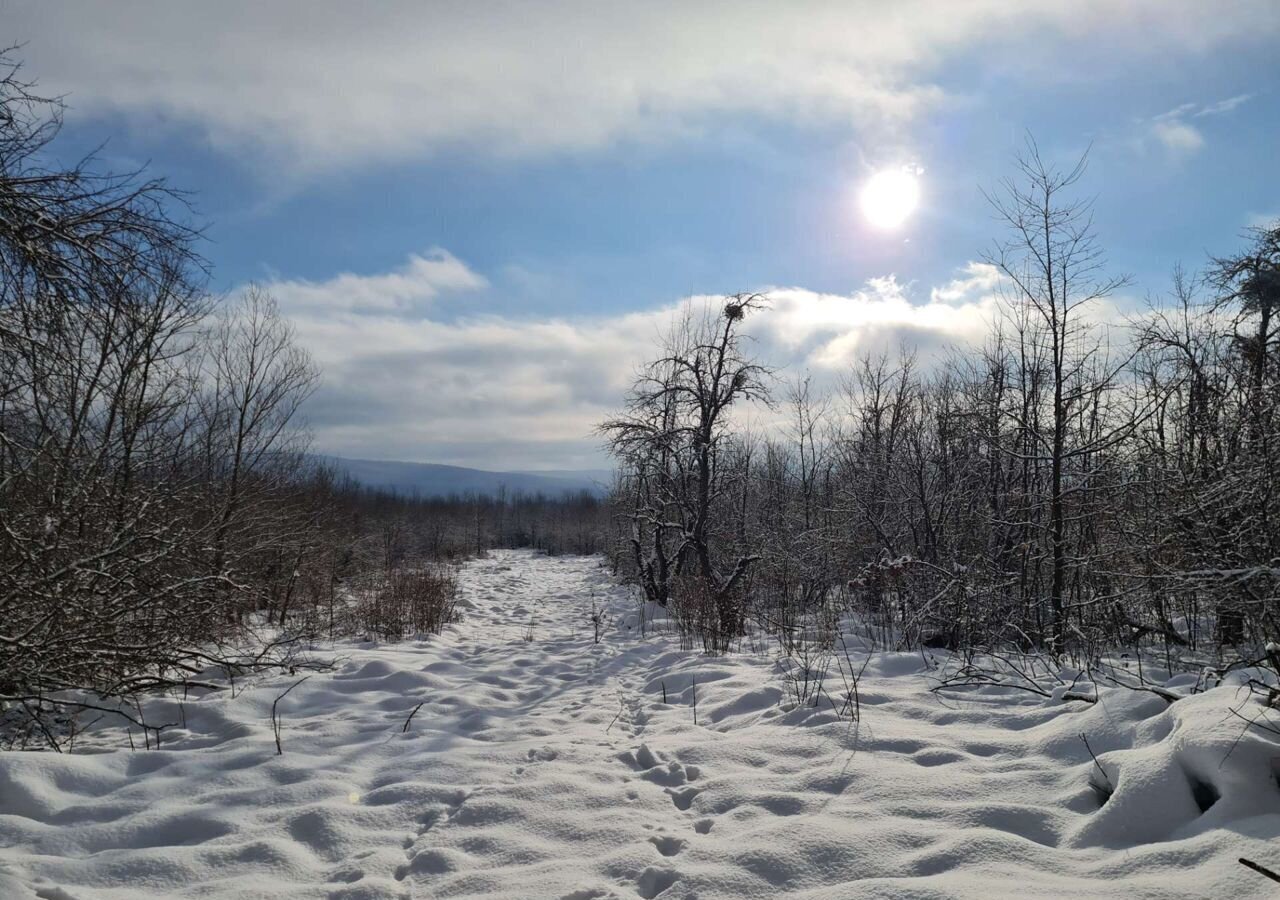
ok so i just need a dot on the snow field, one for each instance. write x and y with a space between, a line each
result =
541 764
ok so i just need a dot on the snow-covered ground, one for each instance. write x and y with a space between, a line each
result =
542 764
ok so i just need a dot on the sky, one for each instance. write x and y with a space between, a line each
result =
479 216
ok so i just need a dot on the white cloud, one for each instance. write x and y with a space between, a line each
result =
827 332
1178 136
422 278
977 281
1224 106
1172 130
507 392
320 83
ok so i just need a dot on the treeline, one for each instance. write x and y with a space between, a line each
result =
156 498
457 526
378 563
1070 486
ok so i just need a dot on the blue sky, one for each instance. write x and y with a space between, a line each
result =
565 173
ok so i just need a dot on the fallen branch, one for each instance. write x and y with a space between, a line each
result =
1164 694
1261 870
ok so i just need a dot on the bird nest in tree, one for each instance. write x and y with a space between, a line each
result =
733 311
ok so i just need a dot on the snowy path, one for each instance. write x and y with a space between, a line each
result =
543 765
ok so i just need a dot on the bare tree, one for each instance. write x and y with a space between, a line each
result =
257 378
1054 265
99 291
671 442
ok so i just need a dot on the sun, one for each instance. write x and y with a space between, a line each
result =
889 197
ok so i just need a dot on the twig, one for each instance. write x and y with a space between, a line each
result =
275 719
411 715
1107 778
39 722
617 714
695 699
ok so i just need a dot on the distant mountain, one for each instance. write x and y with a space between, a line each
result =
434 480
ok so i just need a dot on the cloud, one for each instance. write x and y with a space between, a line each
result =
1172 130
1178 136
978 280
494 391
1223 106
323 83
422 278
827 332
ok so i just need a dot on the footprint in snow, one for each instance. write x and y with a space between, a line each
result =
683 798
667 845
430 861
641 758
654 880
654 767
346 876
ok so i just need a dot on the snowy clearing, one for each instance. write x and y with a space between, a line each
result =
541 764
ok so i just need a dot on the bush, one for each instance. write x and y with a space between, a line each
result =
405 602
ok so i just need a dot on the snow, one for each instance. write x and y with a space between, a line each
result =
542 764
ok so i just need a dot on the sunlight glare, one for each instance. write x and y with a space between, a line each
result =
889 197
